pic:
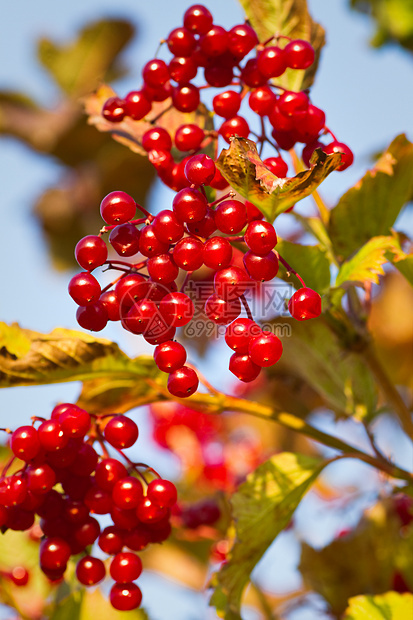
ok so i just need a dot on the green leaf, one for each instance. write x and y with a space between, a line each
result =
262 507
394 21
246 173
96 605
389 606
367 264
290 18
130 132
370 208
309 261
68 608
339 375
79 67
68 355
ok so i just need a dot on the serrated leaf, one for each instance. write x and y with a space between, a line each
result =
338 375
262 508
96 605
246 173
130 132
309 261
80 66
68 355
389 606
370 208
367 264
290 18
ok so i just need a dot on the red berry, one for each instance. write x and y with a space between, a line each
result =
86 533
177 309
150 245
40 479
206 227
265 349
90 570
155 73
114 110
121 432
261 268
186 98
200 170
242 366
253 213
262 100
241 39
162 269
260 237
277 166
271 61
108 472
220 311
86 461
231 216
162 492
149 512
110 301
235 126
219 74
182 69
157 138
183 382
299 54
251 76
167 228
347 156
214 42
84 289
125 567
187 254
98 501
25 443
117 208
111 540
125 239
305 304
217 253
181 42
127 493
125 596
54 553
93 317
308 151
309 124
189 137
230 282
159 331
291 103
91 252
227 104
169 356
239 334
198 19
74 421
189 204
136 105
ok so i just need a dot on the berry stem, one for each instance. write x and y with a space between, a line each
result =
288 267
154 120
6 430
218 200
149 216
246 307
142 220
7 466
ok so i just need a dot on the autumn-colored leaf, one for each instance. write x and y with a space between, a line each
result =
246 173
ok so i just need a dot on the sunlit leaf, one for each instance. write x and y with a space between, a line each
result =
389 606
394 21
130 132
79 66
245 172
309 261
370 208
405 266
367 264
291 18
262 508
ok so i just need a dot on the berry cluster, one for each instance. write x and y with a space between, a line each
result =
60 453
228 58
183 238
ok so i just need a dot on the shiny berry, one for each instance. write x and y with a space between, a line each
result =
200 170
242 366
125 596
265 349
125 567
198 19
169 356
231 216
305 304
25 443
162 492
91 252
136 105
230 282
183 382
260 237
90 570
299 54
347 156
117 208
121 432
227 104
114 110
187 254
235 126
84 289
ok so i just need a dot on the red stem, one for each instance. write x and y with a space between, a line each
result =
289 268
247 308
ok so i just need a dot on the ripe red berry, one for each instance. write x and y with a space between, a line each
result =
98 501
251 75
241 39
186 98
162 269
187 254
277 166
182 69
227 104
198 19
239 334
347 156
183 382
111 303
74 421
111 540
200 170
305 304
157 138
188 137
149 244
177 309
271 62
181 42
136 105
91 252
217 253
235 126
127 493
155 73
125 596
149 512
117 208
125 239
25 443
214 42
108 472
189 204
242 366
125 567
206 227
231 216
299 54
309 124
54 553
167 228
90 570
265 349
121 432
169 356
260 237
220 311
84 289
262 100
261 268
308 151
162 492
291 103
230 282
114 110
93 317
40 478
